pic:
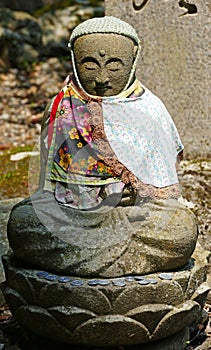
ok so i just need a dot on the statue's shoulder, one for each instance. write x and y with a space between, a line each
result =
153 99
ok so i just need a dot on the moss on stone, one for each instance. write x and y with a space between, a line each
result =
14 174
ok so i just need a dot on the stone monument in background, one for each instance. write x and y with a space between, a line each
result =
175 61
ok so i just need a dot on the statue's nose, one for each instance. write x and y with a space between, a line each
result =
102 78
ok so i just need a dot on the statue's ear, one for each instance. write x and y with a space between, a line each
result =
135 50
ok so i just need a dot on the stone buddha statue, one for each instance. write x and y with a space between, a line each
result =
102 250
108 198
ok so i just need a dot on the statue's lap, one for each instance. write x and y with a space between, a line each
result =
156 235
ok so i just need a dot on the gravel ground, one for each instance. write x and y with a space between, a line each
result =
23 97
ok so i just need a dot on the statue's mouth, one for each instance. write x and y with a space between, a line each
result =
102 89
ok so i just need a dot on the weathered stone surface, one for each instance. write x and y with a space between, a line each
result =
56 30
29 6
25 39
5 208
129 313
177 341
174 342
194 288
20 37
175 62
155 236
33 5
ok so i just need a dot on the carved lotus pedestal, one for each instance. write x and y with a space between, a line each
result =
154 309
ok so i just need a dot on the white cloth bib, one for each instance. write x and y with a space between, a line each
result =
144 137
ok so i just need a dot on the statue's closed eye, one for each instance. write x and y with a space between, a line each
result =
90 63
114 64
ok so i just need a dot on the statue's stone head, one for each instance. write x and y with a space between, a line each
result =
104 55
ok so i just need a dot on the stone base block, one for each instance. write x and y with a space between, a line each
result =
176 341
107 312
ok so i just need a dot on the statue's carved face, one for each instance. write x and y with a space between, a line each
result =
104 62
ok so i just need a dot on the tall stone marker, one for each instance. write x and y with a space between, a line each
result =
176 61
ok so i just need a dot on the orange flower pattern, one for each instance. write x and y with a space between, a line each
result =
65 161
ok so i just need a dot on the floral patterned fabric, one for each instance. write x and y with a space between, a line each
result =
85 157
76 171
73 156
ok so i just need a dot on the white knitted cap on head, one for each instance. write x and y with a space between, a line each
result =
106 25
